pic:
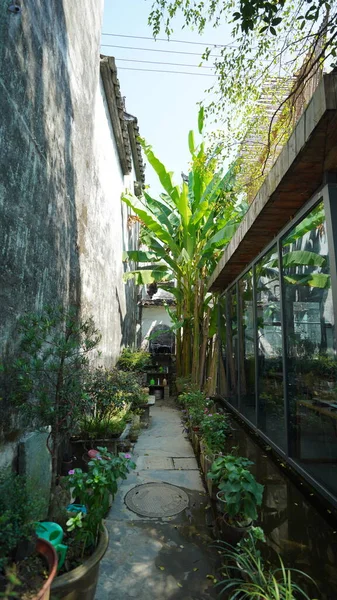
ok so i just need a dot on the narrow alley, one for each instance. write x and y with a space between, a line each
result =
168 556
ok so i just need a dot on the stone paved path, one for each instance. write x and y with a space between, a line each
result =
165 558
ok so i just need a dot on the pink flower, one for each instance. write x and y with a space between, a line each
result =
71 472
127 455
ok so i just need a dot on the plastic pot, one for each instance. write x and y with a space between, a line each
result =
233 533
81 583
46 550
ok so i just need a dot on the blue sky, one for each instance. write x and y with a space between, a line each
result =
164 103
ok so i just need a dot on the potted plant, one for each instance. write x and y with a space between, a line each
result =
248 578
239 494
26 562
49 388
87 536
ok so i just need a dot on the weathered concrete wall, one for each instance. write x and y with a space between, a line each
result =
61 222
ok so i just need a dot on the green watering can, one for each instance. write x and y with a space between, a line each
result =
53 533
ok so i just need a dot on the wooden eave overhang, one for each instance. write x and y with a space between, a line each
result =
295 177
116 110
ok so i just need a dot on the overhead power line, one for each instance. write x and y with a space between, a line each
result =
156 50
143 37
163 71
156 62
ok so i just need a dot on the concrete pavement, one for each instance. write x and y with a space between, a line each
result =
166 558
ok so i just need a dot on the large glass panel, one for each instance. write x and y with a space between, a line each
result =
270 372
247 348
311 361
232 348
222 332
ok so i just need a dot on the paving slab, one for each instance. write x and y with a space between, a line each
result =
185 463
161 557
154 463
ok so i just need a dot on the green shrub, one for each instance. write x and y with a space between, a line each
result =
109 395
196 415
214 428
20 508
192 399
242 493
134 360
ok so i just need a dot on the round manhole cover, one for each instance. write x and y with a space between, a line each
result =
156 500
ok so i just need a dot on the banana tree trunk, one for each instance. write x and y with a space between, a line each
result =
196 332
205 328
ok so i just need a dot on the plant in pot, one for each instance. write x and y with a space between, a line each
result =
239 494
27 564
87 536
248 578
49 385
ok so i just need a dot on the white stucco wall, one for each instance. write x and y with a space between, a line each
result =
103 235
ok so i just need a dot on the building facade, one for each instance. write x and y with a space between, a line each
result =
68 150
278 285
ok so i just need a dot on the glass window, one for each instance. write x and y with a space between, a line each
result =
247 348
311 362
232 348
222 332
269 336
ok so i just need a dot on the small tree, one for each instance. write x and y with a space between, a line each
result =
54 350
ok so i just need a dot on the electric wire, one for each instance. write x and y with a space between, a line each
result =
156 62
143 37
156 50
164 71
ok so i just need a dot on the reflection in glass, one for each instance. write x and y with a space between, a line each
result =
270 372
232 348
222 332
312 384
247 364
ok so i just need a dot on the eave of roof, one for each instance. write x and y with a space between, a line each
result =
296 175
125 126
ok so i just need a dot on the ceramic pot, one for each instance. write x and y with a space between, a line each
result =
81 583
46 550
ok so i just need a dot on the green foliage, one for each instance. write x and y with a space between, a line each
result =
214 429
50 371
192 399
185 232
196 414
95 427
270 42
248 578
92 489
20 508
240 489
134 360
109 394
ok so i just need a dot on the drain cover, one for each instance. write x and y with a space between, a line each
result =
156 500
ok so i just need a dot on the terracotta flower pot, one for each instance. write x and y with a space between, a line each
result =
46 550
81 583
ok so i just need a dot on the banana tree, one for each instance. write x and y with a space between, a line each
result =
184 232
